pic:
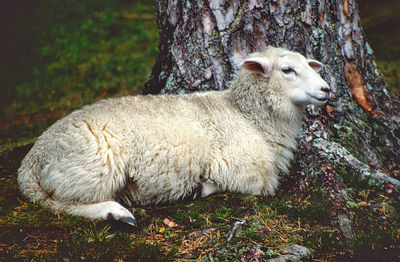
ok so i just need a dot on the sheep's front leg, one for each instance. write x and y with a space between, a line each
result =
204 189
209 188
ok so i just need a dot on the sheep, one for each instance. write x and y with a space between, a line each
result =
138 150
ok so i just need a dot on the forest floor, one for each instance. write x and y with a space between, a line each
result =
69 57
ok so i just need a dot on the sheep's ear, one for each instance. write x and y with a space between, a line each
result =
314 64
260 65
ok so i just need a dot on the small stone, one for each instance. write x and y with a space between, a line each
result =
293 253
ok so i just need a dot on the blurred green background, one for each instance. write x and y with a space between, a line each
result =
60 55
381 23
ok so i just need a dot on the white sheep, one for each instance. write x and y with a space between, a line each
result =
153 149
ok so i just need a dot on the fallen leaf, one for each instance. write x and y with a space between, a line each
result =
171 223
362 204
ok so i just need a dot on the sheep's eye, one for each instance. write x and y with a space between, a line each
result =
288 70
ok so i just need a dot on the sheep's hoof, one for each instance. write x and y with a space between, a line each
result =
128 220
197 192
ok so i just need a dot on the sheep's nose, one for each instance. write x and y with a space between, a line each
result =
326 89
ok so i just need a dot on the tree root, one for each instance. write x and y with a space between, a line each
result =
338 154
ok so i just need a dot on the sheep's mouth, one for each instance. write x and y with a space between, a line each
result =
321 99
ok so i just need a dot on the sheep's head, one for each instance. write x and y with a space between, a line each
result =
295 76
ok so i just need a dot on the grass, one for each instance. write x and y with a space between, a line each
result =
78 53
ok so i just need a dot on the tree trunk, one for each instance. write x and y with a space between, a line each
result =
357 134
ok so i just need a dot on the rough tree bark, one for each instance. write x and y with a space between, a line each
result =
358 133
